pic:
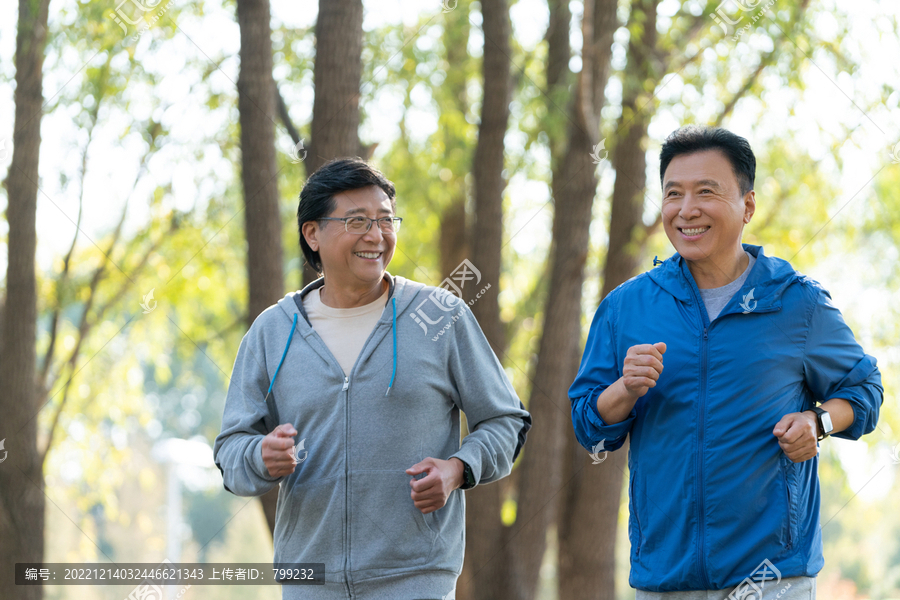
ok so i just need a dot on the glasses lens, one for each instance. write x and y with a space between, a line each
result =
389 224
357 225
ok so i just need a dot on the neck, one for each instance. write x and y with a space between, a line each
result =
717 271
335 295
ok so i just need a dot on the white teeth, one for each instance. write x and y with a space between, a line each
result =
696 231
368 254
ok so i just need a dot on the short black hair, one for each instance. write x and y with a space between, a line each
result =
697 138
336 176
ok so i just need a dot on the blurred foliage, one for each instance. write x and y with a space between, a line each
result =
142 377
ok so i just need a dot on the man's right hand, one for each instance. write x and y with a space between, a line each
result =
642 368
278 450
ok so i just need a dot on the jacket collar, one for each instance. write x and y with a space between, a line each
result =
394 284
768 279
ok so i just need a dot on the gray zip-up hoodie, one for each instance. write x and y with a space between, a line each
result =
348 504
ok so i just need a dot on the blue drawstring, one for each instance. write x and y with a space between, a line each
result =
656 261
288 345
394 329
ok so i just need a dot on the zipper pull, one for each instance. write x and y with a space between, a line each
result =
346 383
704 334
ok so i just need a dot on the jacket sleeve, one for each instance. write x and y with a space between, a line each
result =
599 369
497 419
835 366
246 421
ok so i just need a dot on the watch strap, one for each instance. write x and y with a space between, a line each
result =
468 476
820 426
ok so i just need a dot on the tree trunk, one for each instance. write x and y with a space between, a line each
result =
574 188
336 76
485 562
257 106
454 242
21 474
589 529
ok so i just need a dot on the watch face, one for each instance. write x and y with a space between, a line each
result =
827 427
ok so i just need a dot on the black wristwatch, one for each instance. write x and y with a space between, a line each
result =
824 422
468 476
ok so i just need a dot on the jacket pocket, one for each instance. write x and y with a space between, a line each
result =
634 524
791 491
387 531
310 528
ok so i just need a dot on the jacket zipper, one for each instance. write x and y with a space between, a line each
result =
701 521
347 484
701 533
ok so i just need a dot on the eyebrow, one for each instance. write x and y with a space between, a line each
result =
703 182
360 209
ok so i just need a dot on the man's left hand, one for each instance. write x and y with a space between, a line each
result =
797 435
431 492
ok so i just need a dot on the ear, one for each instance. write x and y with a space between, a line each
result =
749 206
311 234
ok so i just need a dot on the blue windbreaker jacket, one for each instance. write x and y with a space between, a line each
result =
711 494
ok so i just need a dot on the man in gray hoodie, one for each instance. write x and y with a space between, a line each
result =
362 429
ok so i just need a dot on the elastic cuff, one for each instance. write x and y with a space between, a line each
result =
259 467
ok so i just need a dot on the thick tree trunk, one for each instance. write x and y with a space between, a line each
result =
262 222
485 562
454 242
589 529
574 188
21 473
336 76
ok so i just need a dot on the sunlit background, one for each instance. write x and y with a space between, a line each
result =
827 140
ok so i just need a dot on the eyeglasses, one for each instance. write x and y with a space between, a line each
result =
361 225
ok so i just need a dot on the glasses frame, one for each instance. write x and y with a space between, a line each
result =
396 221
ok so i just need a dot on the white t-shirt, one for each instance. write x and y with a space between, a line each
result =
344 330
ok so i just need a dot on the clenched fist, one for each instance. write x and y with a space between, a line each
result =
278 450
798 435
642 368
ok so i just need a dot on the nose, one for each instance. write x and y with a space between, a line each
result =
690 207
374 234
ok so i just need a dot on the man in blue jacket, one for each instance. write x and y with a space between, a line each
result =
759 367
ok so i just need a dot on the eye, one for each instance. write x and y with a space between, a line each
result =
356 221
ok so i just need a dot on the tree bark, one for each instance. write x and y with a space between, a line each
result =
21 474
485 563
589 528
262 222
336 75
454 242
574 188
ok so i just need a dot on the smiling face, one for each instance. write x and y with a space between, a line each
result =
703 210
349 260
